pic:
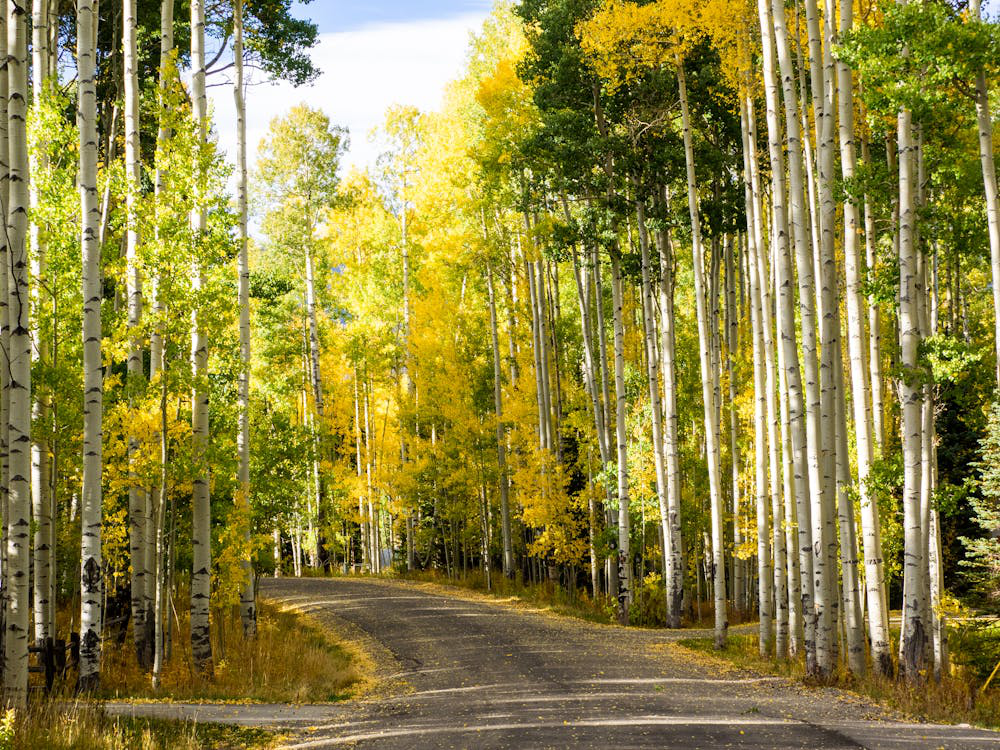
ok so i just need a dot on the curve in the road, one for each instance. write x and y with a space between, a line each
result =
478 674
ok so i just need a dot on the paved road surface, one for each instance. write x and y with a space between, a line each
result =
463 672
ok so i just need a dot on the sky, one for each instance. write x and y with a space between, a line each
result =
372 55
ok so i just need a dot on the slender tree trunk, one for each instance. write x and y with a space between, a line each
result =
740 566
878 621
4 335
796 479
707 388
914 629
138 500
769 599
653 381
93 379
673 540
18 520
760 286
624 526
41 497
874 328
984 121
508 549
201 525
155 544
161 572
248 604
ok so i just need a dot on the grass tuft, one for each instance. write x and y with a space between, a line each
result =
58 725
292 660
955 699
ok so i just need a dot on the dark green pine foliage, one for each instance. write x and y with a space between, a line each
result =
984 549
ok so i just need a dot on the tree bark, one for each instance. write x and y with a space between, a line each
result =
201 525
878 620
804 403
653 381
914 629
671 451
707 381
18 520
984 121
248 599
508 549
93 377
138 500
41 495
624 526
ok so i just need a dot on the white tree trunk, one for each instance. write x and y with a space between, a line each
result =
18 520
158 499
984 121
41 497
673 541
624 526
508 549
201 580
797 484
760 281
810 515
740 568
769 597
914 629
874 326
248 603
653 381
878 621
138 500
707 381
93 381
4 334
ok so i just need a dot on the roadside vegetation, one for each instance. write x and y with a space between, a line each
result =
84 726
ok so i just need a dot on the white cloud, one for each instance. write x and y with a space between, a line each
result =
363 72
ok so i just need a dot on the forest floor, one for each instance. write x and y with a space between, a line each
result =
459 669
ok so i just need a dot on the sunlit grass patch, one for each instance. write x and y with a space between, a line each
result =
292 660
84 726
955 699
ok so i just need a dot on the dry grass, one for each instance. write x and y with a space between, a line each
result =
81 726
292 660
955 699
547 595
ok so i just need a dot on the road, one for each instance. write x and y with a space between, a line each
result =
461 671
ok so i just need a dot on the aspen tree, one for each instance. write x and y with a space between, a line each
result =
914 629
508 550
93 377
796 479
41 495
770 590
653 382
667 364
201 583
4 329
624 525
984 121
878 621
157 367
248 606
707 388
803 396
15 677
138 500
